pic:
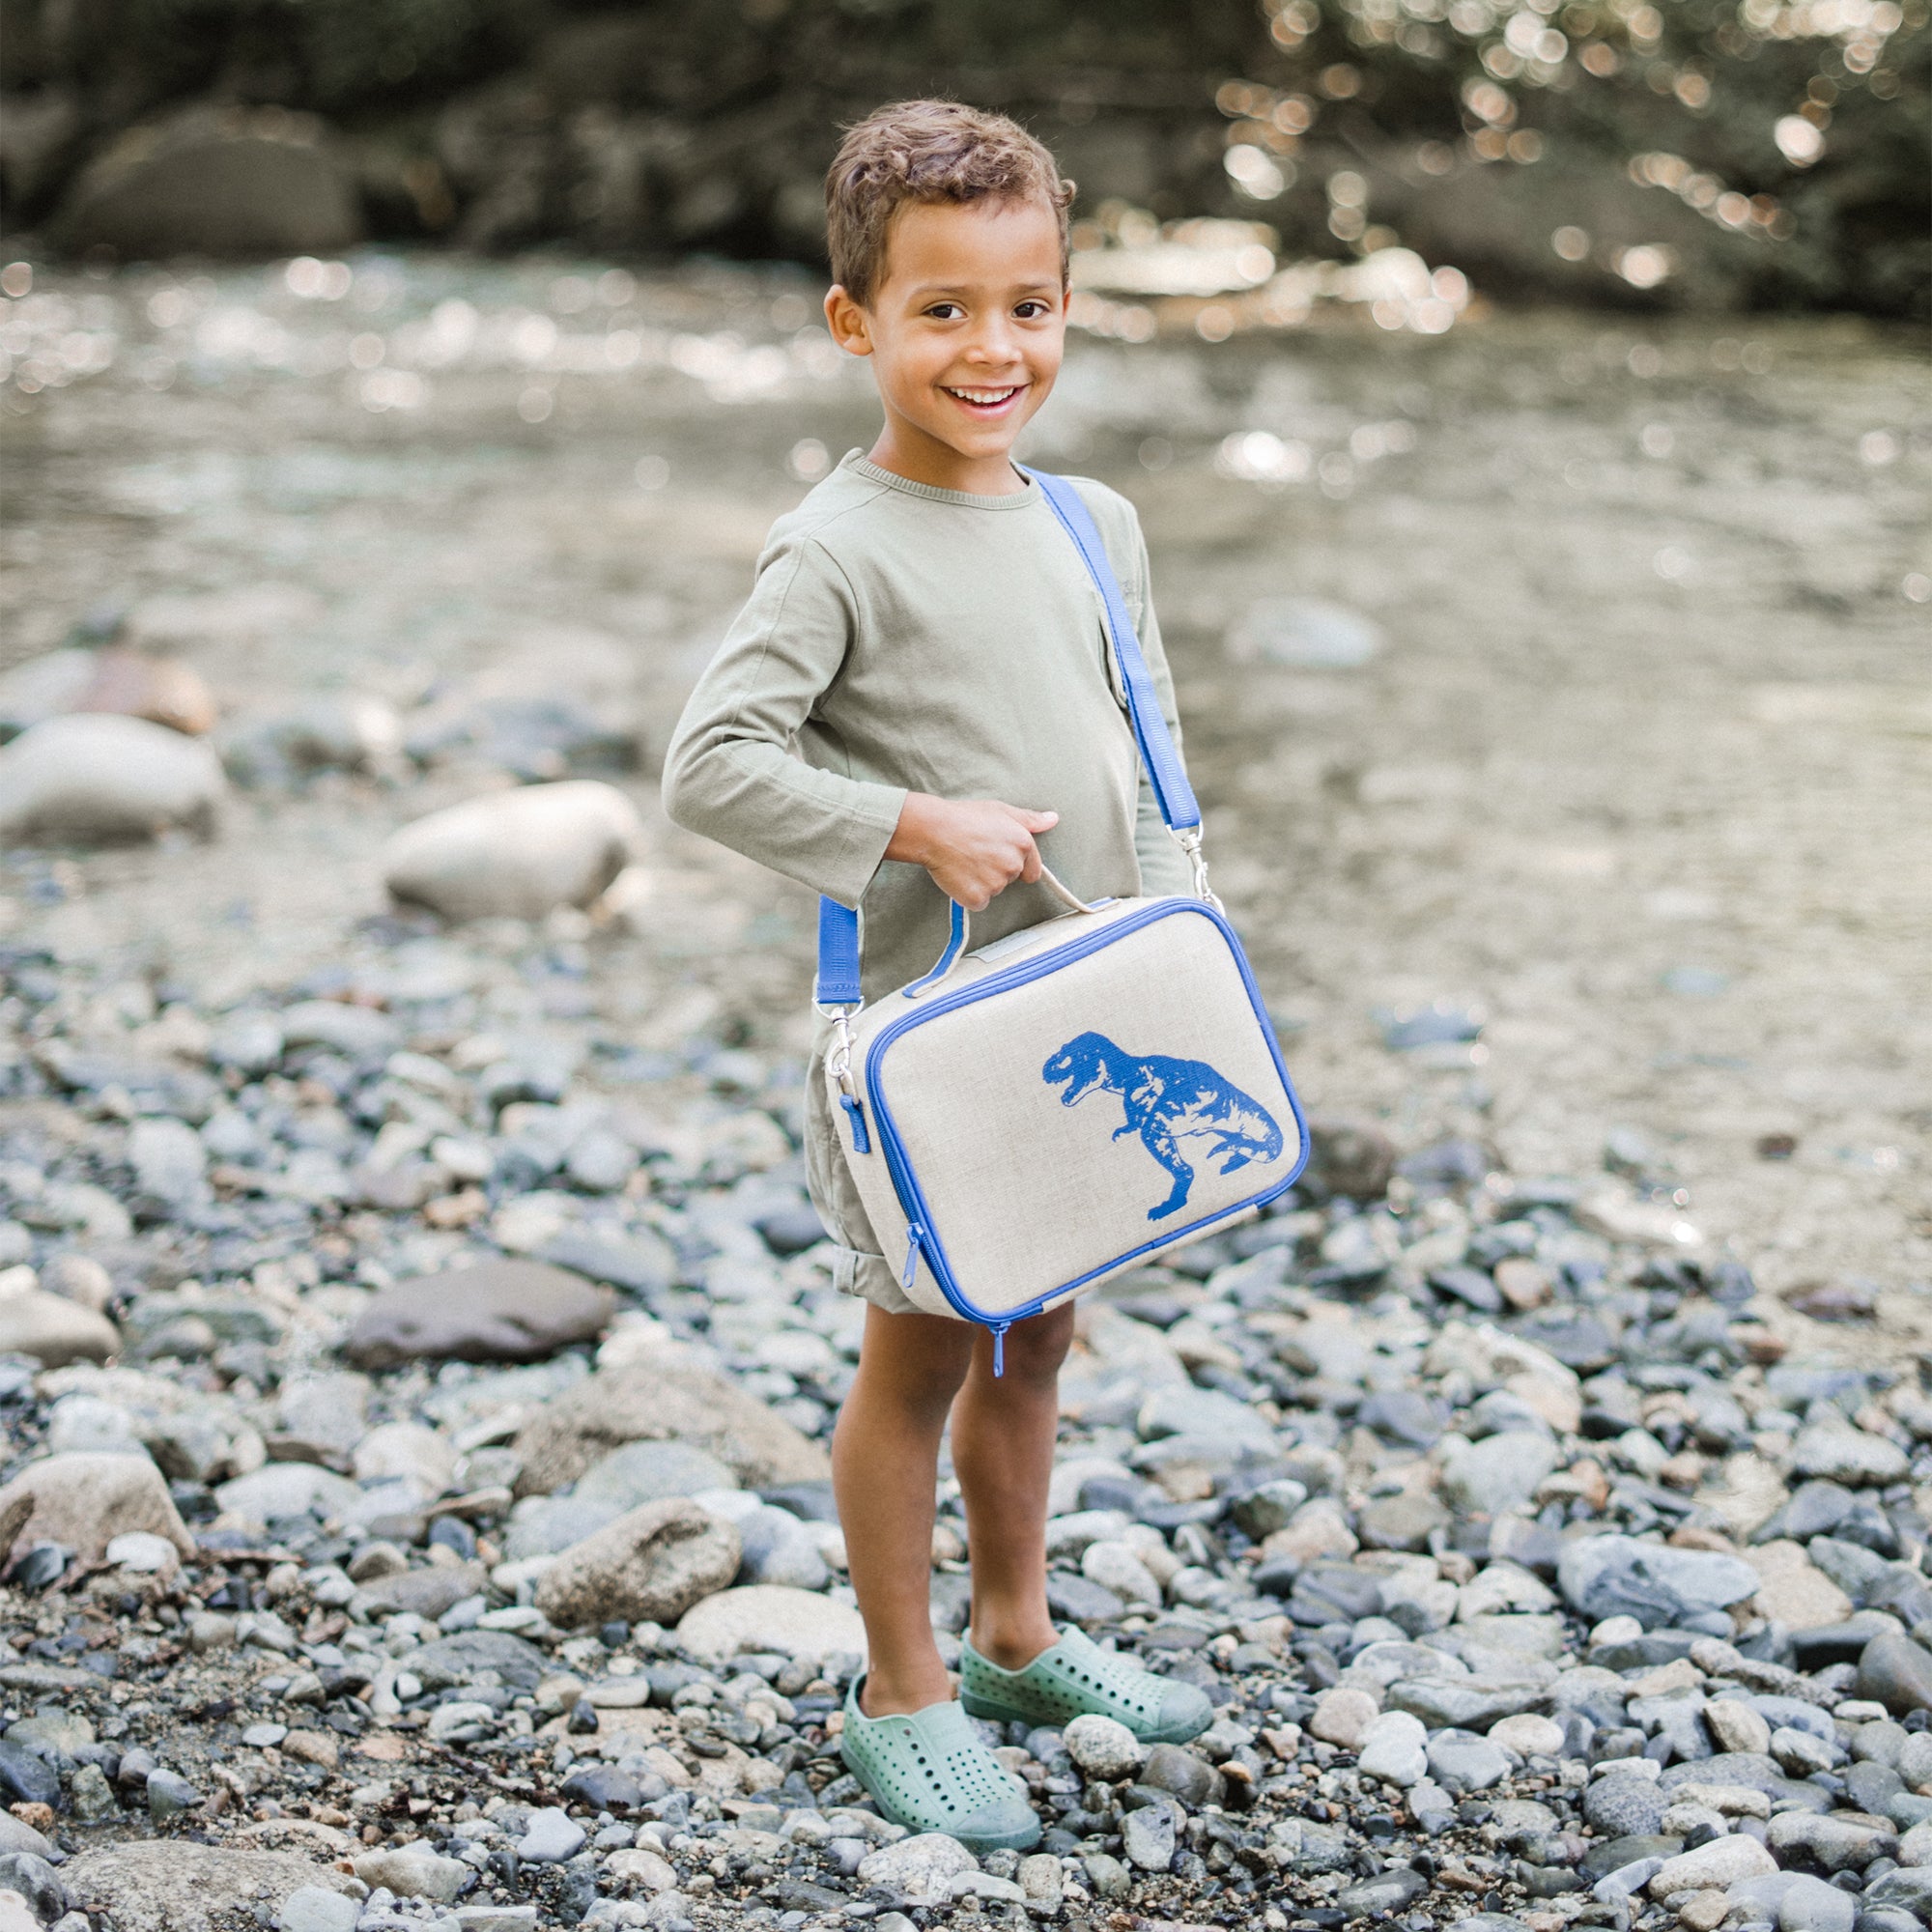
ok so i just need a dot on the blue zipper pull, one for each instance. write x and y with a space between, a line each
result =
862 1140
911 1269
1000 1347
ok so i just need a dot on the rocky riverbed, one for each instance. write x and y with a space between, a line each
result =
417 1349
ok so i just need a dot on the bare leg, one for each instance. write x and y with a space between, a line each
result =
885 1461
1003 1437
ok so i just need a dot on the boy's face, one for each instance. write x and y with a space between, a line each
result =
965 329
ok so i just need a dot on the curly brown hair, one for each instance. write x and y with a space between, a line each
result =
927 151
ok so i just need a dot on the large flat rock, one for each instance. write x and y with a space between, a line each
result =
178 1885
771 1617
499 1311
664 1401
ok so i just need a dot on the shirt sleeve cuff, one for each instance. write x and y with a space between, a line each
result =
869 831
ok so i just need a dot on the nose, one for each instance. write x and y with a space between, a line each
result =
993 342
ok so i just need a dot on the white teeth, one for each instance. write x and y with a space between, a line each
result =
985 395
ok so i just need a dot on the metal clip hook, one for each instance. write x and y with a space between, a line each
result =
1189 842
838 1062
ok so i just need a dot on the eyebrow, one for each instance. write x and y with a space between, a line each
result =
930 289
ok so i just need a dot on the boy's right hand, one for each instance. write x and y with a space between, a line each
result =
973 848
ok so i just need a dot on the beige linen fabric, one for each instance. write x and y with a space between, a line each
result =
904 637
1125 1097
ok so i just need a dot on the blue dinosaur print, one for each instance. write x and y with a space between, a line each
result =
1167 1101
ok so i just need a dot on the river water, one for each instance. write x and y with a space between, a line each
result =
1606 738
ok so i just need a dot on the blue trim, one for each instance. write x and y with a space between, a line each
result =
862 1140
956 939
924 1236
838 981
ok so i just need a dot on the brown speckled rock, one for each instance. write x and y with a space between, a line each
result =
653 1563
84 1500
176 1886
53 1329
664 1399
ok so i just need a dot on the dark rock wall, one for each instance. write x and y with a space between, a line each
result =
675 125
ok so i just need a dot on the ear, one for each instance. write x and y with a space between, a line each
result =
848 322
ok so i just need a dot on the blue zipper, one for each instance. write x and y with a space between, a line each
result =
906 1185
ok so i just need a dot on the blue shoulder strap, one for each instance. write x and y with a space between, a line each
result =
838 981
1171 790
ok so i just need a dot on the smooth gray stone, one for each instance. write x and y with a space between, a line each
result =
1401 1522
1079 1601
1752 1772
1897 1674
1498 1472
1608 1854
1814 1509
1196 1411
1624 1806
777 1548
1909 1887
1793 1714
551 1837
546 1525
1460 1761
1627 1879
1850 1566
169 1792
1404 1415
499 1311
455 1660
1387 1891
1314 1848
36 1881
1887 1918
1182 1773
313 1908
1148 1837
1618 1575
1522 1823
649 1472
1871 1786
640 1261
1468 1703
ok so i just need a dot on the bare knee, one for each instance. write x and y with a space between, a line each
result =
1033 1350
913 1365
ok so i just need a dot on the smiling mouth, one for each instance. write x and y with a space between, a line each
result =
987 400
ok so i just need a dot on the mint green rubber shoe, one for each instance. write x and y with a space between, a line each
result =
1077 1678
930 1773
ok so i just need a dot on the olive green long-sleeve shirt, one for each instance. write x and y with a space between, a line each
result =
902 637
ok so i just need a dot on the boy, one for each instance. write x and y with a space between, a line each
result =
917 704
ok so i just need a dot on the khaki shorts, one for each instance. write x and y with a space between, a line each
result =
858 1269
